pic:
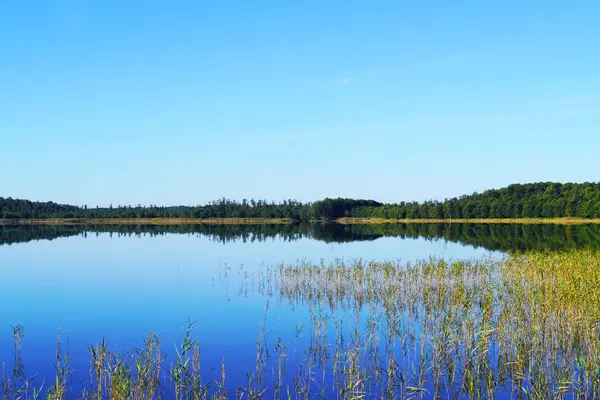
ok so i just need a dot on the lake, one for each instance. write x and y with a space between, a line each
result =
121 282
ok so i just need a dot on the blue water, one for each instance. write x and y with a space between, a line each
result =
121 287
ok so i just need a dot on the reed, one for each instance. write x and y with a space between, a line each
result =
525 326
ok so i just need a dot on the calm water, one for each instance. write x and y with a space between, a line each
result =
121 282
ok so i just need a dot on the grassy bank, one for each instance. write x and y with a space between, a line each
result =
527 326
561 221
145 221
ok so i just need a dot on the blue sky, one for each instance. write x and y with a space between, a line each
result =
182 102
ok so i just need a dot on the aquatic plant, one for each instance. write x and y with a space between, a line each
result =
525 326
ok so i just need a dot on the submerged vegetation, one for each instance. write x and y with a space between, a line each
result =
526 326
535 200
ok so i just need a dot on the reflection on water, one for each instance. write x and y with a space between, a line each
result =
256 315
494 237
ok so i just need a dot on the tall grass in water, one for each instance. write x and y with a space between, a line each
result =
527 326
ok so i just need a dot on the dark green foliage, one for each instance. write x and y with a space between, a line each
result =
535 200
339 208
25 209
224 208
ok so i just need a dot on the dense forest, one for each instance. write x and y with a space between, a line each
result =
224 208
535 200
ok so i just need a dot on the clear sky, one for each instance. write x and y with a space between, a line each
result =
182 102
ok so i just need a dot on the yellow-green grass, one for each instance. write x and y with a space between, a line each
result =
525 326
528 324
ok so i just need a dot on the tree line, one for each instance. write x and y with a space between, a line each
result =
223 208
535 200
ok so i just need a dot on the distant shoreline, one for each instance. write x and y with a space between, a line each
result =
147 221
285 221
524 221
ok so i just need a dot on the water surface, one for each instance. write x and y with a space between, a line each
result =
120 282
